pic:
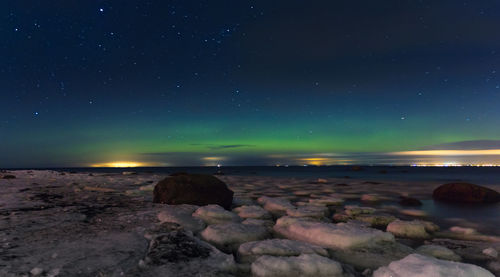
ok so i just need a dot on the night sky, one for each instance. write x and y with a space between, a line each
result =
247 82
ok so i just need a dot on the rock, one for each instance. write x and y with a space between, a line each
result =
250 251
421 266
495 267
376 220
182 215
490 252
36 271
304 265
228 236
409 201
328 235
328 201
238 202
129 173
468 250
308 211
276 206
53 272
354 210
260 222
372 257
413 212
9 176
194 189
463 231
255 212
178 253
409 229
215 214
439 252
341 217
98 189
175 246
370 198
465 193
321 181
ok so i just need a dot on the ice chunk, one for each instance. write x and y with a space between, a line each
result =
181 214
276 206
215 214
250 251
408 229
303 265
228 236
340 235
416 265
373 256
439 252
255 212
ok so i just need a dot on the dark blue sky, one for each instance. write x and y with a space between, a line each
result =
243 82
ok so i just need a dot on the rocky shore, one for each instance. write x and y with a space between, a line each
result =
108 224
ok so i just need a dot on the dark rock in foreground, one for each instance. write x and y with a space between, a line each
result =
409 201
9 177
194 189
465 193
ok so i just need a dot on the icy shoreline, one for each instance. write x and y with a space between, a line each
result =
105 224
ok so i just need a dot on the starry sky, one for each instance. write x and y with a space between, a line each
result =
184 82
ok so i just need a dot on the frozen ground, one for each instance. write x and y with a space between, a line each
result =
76 224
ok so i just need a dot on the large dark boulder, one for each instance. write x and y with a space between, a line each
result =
465 193
194 189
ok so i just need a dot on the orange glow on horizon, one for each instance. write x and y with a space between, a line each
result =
123 164
449 152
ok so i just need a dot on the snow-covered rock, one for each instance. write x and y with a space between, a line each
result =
250 251
328 235
215 214
182 215
276 206
416 265
229 236
439 252
303 265
408 229
255 212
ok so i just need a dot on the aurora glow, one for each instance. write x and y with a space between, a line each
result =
171 83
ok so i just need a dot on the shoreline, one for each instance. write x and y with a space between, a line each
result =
49 215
